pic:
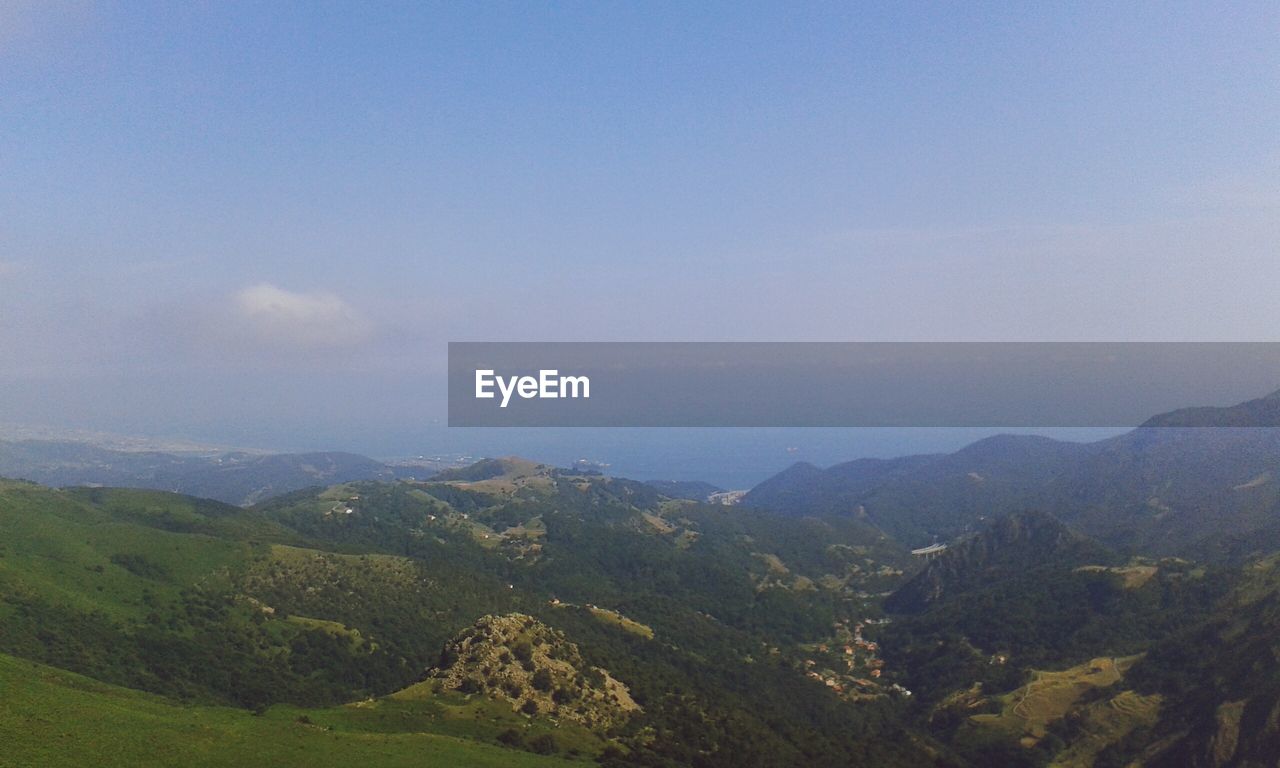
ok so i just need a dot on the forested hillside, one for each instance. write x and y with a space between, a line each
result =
318 598
1168 488
511 607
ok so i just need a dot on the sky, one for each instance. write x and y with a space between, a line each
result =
261 223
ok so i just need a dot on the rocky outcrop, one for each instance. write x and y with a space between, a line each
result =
518 659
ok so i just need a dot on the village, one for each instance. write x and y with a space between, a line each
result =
850 664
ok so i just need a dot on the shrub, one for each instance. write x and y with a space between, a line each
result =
511 737
543 744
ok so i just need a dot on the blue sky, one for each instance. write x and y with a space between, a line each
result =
264 221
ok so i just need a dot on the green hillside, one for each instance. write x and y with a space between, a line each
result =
349 594
513 611
1171 487
52 717
98 550
204 601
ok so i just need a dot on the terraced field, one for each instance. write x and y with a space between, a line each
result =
1028 711
1106 722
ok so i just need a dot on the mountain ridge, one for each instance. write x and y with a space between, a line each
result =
1260 412
1016 542
1157 489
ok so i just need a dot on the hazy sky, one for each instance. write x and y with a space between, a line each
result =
265 221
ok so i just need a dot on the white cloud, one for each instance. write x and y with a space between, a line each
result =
277 316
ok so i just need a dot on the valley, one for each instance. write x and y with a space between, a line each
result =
512 611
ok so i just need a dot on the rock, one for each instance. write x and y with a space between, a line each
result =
518 659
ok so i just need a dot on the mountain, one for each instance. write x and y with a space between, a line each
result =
235 477
1220 679
517 609
485 469
1203 691
804 488
1029 644
685 621
919 498
512 612
1027 591
1260 412
1007 548
1156 490
245 478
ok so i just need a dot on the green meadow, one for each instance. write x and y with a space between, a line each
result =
51 717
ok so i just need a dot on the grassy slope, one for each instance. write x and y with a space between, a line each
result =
1026 714
1029 710
1107 722
60 548
50 717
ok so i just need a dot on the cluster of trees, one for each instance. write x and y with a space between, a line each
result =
205 647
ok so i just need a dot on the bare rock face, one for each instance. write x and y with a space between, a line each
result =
1222 747
518 659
